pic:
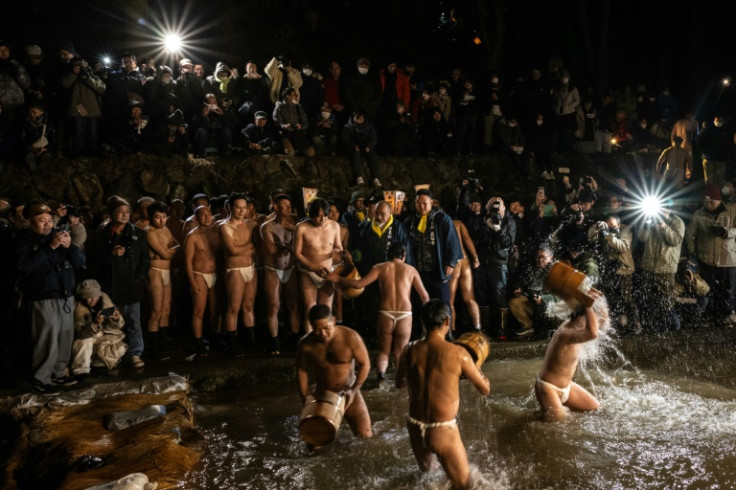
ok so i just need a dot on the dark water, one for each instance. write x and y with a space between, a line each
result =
654 430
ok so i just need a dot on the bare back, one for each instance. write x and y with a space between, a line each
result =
563 351
396 280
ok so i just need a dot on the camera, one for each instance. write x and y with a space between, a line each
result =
495 213
62 227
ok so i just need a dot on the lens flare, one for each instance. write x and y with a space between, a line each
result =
651 206
172 42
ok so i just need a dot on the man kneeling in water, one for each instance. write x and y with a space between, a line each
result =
554 387
432 368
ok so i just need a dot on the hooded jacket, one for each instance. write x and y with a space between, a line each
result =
709 247
662 245
276 79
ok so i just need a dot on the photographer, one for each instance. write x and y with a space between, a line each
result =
98 330
46 259
710 240
662 238
529 301
14 81
292 121
493 230
121 258
616 267
210 127
83 89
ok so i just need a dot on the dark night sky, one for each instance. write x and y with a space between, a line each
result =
681 43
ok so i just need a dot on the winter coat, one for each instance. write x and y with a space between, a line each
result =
365 239
403 86
276 79
124 277
82 92
616 248
46 273
362 135
84 326
33 130
288 113
707 245
447 243
662 246
363 93
14 81
493 247
566 100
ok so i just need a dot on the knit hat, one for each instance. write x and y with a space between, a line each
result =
164 69
34 208
33 50
363 61
88 289
186 62
68 47
713 192
355 196
260 115
114 202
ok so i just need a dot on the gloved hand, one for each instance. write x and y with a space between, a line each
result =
721 231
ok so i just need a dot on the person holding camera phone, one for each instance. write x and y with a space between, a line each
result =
84 90
98 331
121 258
493 231
46 259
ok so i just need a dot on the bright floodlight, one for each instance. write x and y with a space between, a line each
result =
651 206
172 43
726 81
106 60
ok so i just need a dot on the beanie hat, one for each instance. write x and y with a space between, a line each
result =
34 208
89 288
713 192
186 62
114 202
260 115
68 47
355 196
33 50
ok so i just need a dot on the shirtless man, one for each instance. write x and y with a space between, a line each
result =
277 235
236 237
334 215
432 367
315 240
141 211
200 256
463 275
554 388
333 353
396 279
190 223
162 247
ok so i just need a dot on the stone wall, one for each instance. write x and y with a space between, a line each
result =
88 181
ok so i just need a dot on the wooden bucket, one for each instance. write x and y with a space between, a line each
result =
349 271
321 418
564 281
477 345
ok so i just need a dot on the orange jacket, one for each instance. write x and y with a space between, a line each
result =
403 87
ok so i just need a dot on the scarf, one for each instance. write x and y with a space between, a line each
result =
223 83
422 226
380 231
360 215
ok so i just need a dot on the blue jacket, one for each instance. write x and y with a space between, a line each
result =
447 243
46 273
361 240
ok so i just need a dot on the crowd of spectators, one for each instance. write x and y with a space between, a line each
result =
64 104
680 260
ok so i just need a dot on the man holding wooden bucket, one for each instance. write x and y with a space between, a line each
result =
432 367
332 352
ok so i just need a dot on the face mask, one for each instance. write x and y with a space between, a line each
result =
726 190
494 81
666 92
643 125
326 115
513 125
166 80
307 72
565 80
294 101
362 71
718 124
540 122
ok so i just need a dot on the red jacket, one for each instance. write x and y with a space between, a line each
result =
403 87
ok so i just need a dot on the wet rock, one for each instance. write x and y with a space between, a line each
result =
154 183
